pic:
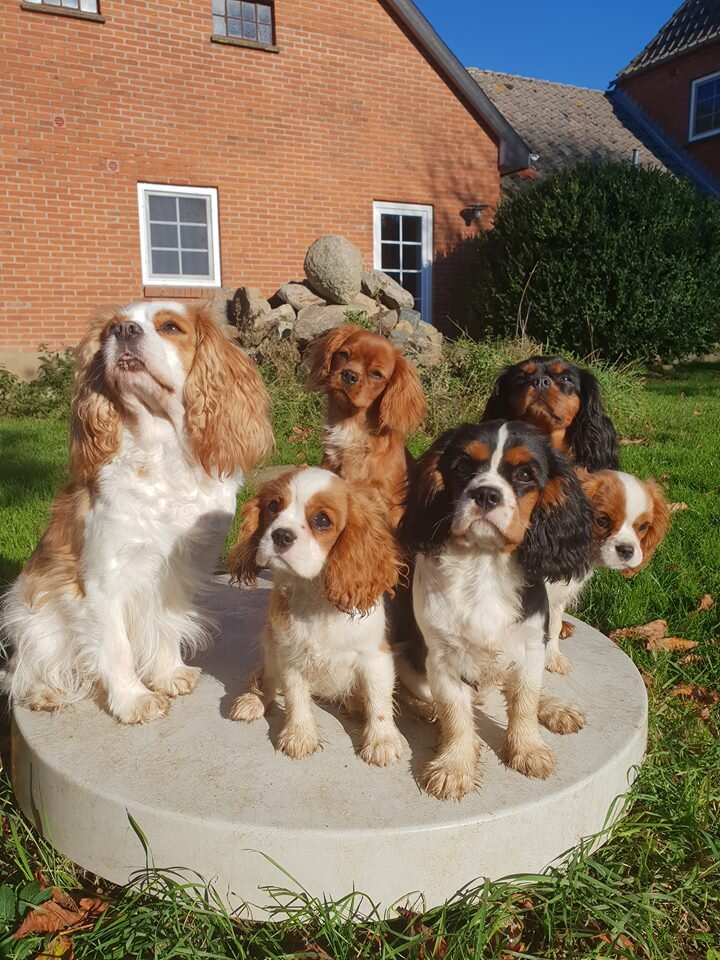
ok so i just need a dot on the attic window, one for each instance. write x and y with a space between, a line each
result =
705 107
237 20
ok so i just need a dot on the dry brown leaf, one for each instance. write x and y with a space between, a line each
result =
633 442
655 630
620 942
48 917
648 681
59 948
677 507
691 691
567 629
706 603
670 643
426 951
690 658
316 952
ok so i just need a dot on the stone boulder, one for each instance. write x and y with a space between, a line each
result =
333 267
387 321
313 322
379 285
366 305
249 305
298 296
276 325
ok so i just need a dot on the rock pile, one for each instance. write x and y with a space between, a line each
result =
336 290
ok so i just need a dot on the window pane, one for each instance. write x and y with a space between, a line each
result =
194 237
219 7
193 210
264 14
195 264
412 229
52 3
165 262
265 33
162 207
248 11
89 6
219 26
73 4
411 282
411 257
163 235
234 28
390 256
394 274
249 30
233 8
389 226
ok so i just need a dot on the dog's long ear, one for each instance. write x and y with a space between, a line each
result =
497 406
365 561
557 545
227 408
242 559
402 404
591 436
321 352
95 418
429 508
658 526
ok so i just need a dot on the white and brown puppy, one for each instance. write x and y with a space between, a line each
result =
167 417
630 519
494 512
332 552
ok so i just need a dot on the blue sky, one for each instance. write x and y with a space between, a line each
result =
583 42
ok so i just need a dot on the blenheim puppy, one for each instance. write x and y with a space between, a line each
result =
630 518
374 401
167 416
562 401
333 555
495 511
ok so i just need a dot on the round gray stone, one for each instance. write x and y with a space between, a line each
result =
333 267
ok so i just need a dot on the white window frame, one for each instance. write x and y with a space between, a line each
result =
379 208
179 280
692 136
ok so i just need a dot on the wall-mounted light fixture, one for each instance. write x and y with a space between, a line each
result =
473 212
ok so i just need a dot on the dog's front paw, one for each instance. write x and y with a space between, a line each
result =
144 708
247 708
535 759
557 663
448 781
298 742
46 699
382 751
559 717
179 683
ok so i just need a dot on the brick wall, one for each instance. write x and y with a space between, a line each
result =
664 92
298 143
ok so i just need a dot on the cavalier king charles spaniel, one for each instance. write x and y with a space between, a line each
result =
494 512
562 401
167 416
329 544
630 519
374 401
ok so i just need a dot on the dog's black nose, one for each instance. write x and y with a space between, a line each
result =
541 383
127 330
283 538
348 377
487 497
625 550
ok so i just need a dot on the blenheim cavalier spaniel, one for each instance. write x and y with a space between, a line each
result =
330 548
562 401
630 519
374 401
495 511
167 417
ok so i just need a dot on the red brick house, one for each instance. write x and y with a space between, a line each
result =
675 81
169 149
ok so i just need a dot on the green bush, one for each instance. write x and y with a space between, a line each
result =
604 258
48 395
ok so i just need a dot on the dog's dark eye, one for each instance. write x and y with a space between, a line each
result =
565 378
376 375
464 467
321 521
343 354
643 527
524 475
170 327
603 521
274 506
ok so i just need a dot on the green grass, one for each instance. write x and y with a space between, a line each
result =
653 890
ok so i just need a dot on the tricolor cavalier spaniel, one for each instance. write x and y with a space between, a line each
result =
630 518
374 401
564 402
333 555
494 512
167 417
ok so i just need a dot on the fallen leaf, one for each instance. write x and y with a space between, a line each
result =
633 442
690 658
696 693
677 507
566 630
619 942
670 643
705 603
316 952
93 906
60 948
648 681
655 630
418 928
49 917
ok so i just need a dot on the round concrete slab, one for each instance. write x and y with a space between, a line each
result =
214 796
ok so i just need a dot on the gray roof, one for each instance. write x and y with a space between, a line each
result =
566 125
693 24
514 154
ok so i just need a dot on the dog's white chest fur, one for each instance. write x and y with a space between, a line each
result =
343 437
